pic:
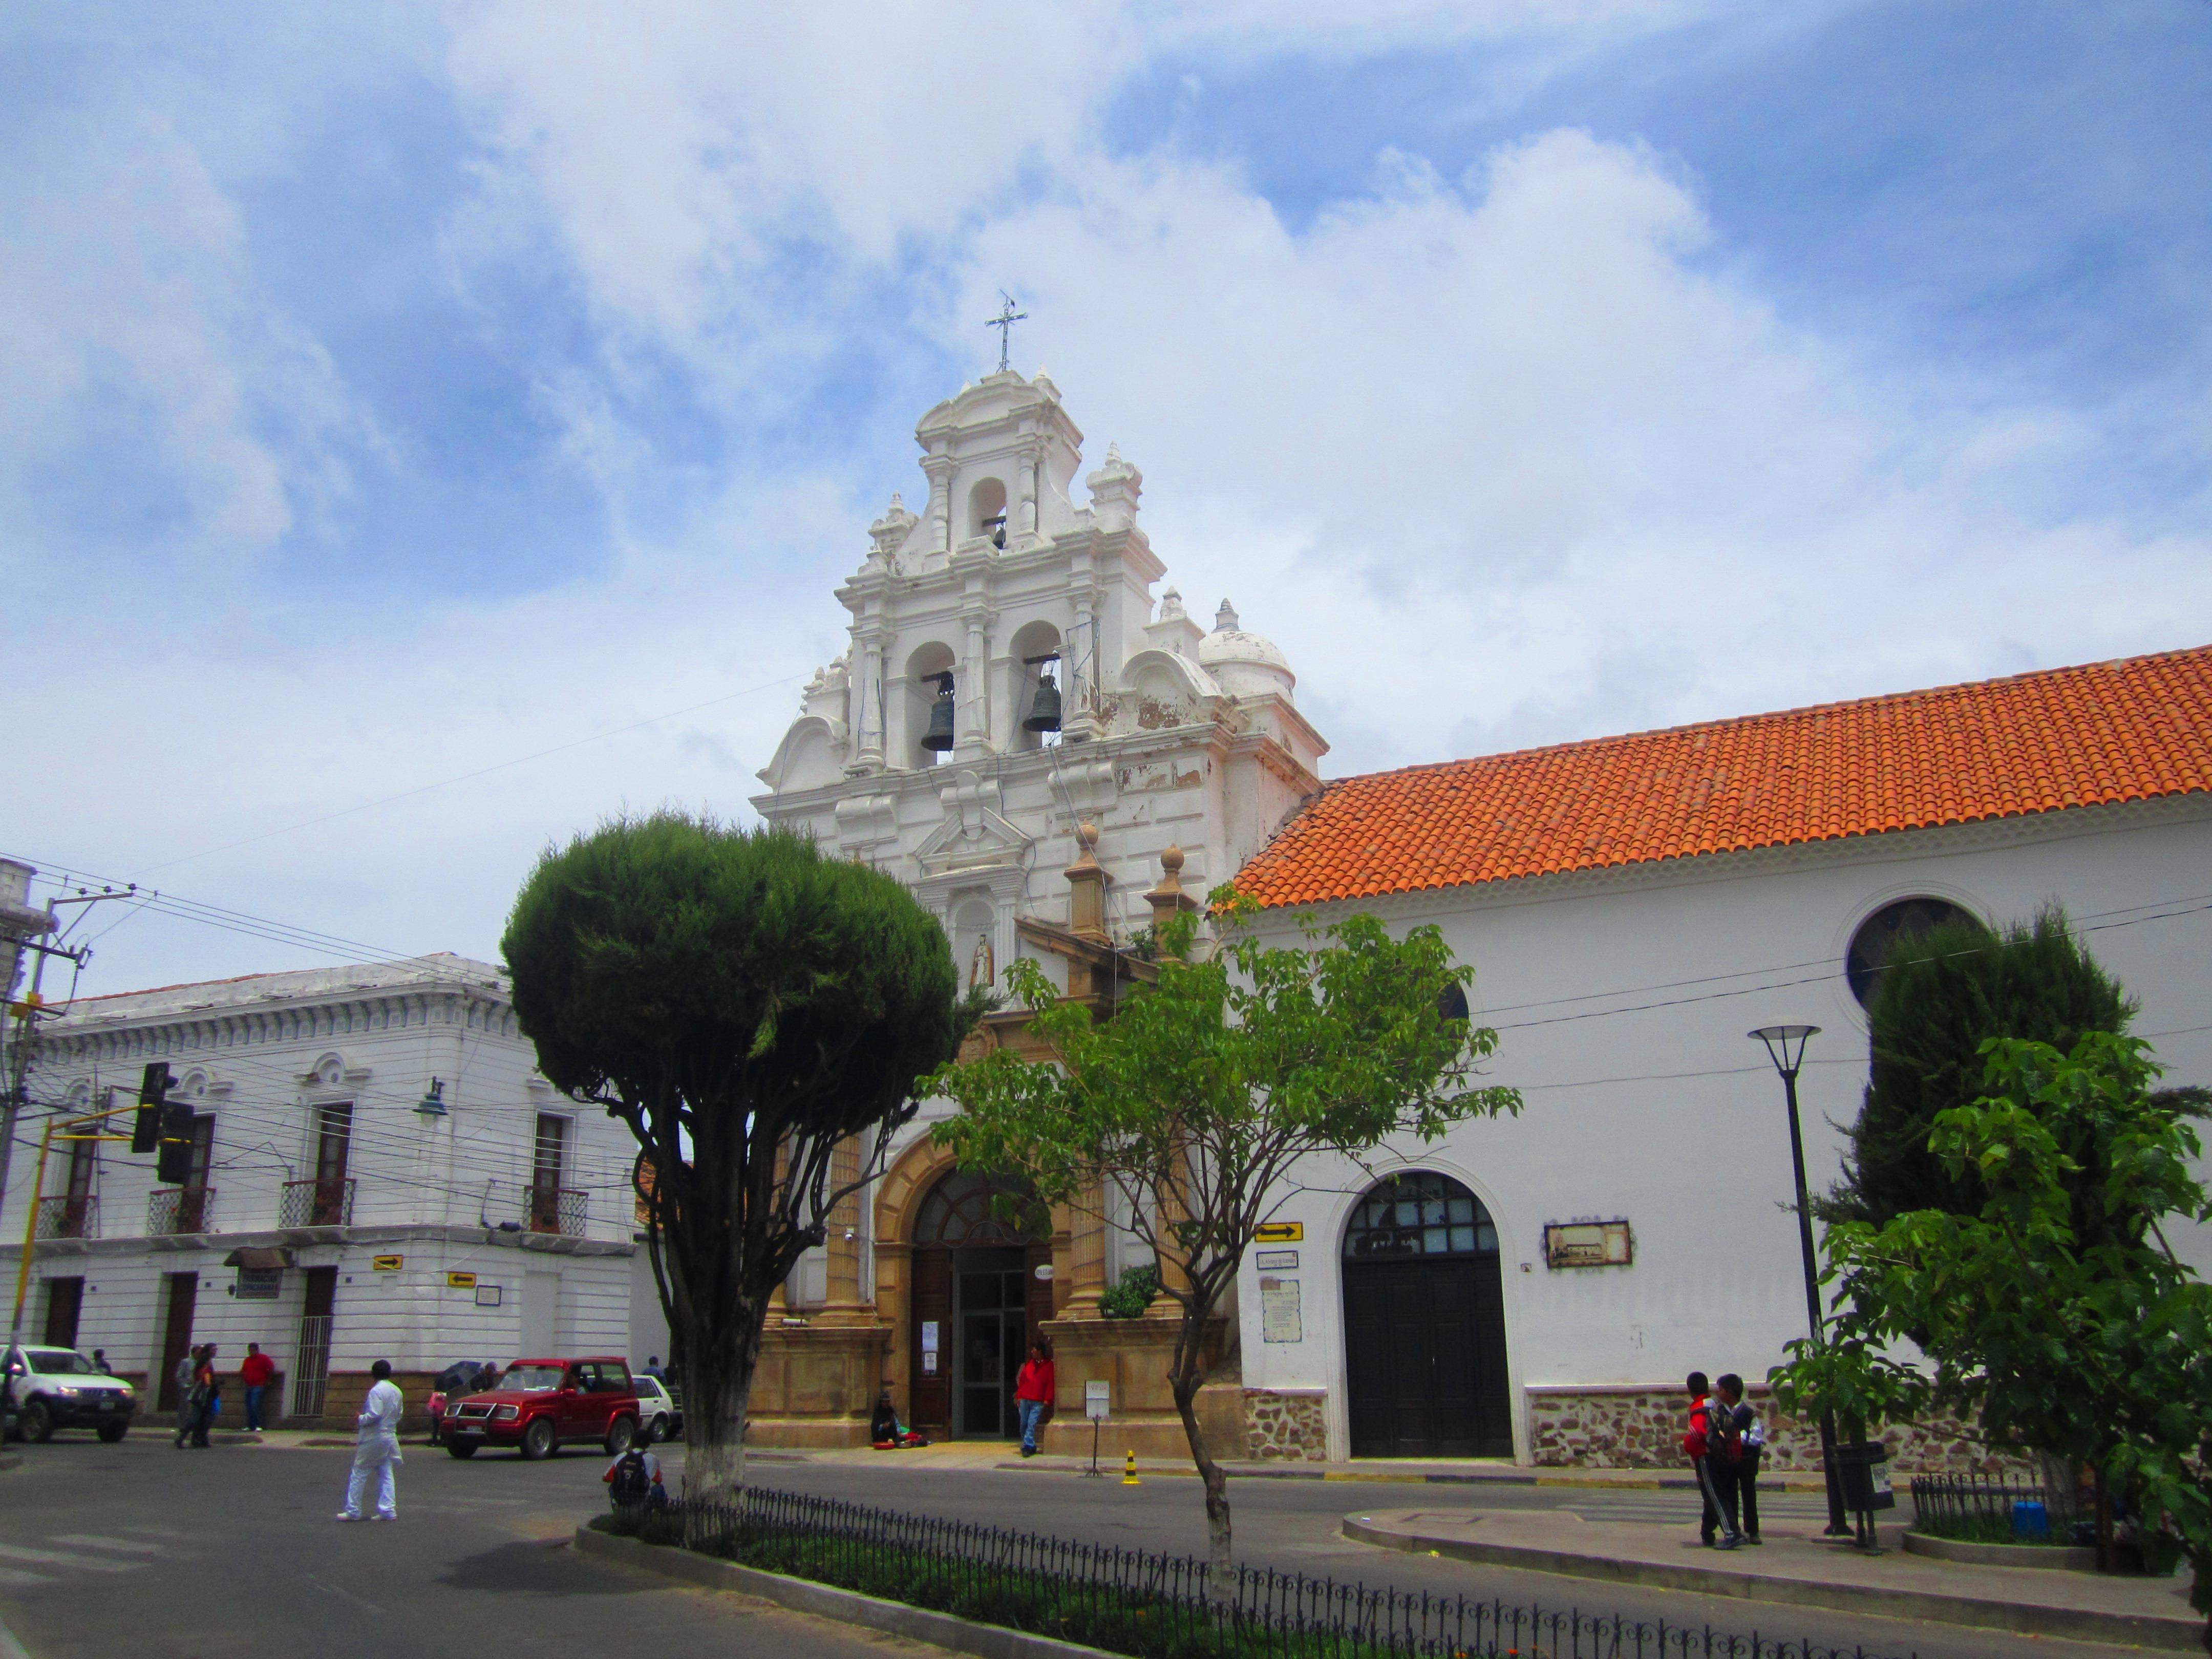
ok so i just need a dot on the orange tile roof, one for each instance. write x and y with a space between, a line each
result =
2129 730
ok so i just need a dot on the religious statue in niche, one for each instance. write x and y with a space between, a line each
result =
982 967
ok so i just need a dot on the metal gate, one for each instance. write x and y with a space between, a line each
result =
312 1371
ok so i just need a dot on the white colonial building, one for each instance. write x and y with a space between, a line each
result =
377 1171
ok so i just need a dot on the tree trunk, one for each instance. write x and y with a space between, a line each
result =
721 1364
1222 1579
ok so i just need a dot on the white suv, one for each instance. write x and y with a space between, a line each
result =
660 1416
59 1388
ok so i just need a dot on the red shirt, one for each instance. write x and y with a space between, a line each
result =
1034 1383
257 1370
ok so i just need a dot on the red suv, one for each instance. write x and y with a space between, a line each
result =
540 1405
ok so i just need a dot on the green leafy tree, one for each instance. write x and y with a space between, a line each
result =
743 1005
2091 1341
1941 995
1196 1101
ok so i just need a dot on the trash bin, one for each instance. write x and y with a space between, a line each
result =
1864 1466
2031 1521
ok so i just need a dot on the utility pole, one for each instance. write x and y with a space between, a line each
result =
20 922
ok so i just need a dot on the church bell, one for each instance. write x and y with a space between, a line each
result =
940 735
1044 713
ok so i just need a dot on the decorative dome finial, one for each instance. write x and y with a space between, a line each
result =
1225 618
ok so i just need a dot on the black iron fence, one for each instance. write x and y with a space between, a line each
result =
1161 1606
1981 1508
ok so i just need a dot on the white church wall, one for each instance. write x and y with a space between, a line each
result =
1622 1002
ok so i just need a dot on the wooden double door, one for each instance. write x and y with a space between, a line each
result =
1425 1351
976 1309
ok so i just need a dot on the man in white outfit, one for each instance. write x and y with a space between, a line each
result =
378 1448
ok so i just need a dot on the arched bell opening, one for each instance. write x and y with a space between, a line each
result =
1037 685
978 1301
1425 1322
987 510
931 703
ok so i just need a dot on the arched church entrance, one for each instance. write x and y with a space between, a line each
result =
978 1300
1425 1323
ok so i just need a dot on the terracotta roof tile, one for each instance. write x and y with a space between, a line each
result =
2104 732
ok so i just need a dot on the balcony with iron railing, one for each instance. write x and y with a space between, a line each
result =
69 1215
322 1202
181 1209
554 1210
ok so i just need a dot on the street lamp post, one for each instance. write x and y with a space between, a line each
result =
1785 1047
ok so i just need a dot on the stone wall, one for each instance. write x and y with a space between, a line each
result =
1286 1424
342 1395
1640 1426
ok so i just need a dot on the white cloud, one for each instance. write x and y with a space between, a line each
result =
1577 483
130 322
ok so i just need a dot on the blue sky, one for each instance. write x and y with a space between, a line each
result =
394 397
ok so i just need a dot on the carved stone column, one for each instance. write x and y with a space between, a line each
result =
975 684
846 1301
869 713
1087 1255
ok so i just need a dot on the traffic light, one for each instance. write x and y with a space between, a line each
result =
174 1168
153 1091
163 1127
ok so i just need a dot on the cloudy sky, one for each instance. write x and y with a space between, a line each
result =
475 404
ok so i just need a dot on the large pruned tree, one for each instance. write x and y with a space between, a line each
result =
743 1004
1941 995
1197 1101
2057 1313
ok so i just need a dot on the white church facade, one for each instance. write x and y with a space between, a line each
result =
1025 726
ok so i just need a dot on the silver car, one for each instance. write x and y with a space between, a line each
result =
60 1389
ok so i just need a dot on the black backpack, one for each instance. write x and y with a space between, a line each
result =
632 1485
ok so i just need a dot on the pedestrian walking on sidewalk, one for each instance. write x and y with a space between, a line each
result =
253 1377
1033 1393
1750 1441
376 1450
186 1377
1702 1445
209 1387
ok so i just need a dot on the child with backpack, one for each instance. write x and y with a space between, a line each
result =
1750 1434
1711 1446
634 1480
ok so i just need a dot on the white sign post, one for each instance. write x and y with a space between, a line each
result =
1097 1393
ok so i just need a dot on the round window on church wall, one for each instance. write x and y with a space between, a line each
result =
1879 934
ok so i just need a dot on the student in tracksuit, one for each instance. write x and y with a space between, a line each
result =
1706 1444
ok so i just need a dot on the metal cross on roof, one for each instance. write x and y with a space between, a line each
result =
1003 322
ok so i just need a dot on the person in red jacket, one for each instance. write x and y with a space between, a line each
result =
1708 1444
1033 1391
253 1375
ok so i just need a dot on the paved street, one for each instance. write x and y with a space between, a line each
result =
233 1554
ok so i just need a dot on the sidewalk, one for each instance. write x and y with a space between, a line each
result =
1457 1472
1796 1566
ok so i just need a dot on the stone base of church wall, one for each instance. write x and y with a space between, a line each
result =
816 1386
1640 1426
1287 1425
